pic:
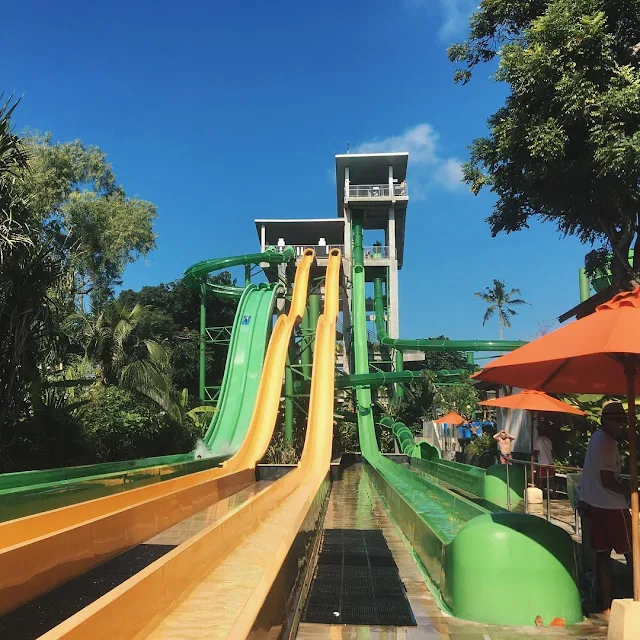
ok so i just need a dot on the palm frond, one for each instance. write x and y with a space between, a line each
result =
488 314
144 374
485 297
157 353
146 378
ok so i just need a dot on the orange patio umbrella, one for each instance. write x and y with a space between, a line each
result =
596 354
534 401
451 418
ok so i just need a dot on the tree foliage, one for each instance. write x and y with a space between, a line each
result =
461 397
171 314
565 147
67 229
85 214
444 360
500 301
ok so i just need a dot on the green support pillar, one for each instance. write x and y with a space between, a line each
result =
288 401
247 275
305 345
399 367
585 287
203 336
314 314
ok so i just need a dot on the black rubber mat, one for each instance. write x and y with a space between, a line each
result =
357 582
49 610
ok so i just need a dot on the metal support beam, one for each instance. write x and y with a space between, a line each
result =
203 335
314 314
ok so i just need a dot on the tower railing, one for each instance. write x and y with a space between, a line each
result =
377 190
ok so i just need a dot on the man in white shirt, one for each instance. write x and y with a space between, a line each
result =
543 450
605 497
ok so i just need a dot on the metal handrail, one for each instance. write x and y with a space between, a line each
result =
376 251
377 190
322 250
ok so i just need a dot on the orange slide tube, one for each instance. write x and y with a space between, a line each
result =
215 584
41 551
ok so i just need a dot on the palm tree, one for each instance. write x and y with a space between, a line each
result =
138 365
498 299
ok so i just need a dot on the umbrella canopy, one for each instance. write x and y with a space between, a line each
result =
596 354
451 418
530 400
582 357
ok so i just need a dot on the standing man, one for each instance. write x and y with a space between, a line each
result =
505 442
606 498
543 450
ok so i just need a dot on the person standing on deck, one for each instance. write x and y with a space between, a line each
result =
604 498
505 442
543 450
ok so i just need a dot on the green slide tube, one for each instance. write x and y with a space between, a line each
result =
407 443
28 492
475 559
424 344
197 274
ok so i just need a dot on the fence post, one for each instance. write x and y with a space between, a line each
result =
526 491
508 489
548 497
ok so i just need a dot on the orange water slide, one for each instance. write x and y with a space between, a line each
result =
225 581
41 551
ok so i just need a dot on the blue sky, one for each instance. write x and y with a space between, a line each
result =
224 112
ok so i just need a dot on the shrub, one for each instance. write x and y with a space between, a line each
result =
120 425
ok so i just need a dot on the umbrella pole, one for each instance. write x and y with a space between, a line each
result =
533 417
633 468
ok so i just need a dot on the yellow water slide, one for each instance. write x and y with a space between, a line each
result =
41 551
229 580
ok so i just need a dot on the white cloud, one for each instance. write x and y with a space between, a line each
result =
449 174
427 169
454 15
419 141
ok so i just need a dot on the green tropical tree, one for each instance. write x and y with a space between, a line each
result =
565 146
122 358
501 301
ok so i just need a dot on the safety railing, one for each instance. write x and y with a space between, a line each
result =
322 250
376 252
560 485
360 191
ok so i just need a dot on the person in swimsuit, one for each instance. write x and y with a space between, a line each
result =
505 442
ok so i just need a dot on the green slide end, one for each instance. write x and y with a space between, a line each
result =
541 575
28 492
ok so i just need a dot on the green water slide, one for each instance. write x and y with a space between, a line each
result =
475 559
28 492
241 378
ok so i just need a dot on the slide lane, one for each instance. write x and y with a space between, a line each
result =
242 371
45 550
451 535
220 583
